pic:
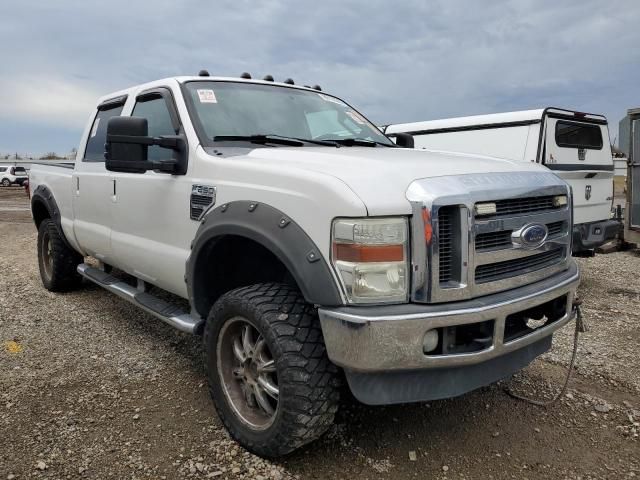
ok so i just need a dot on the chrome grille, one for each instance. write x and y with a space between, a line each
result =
445 243
502 239
467 255
518 266
518 206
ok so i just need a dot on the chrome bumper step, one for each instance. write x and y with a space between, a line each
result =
159 308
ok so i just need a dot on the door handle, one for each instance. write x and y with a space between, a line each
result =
114 186
77 185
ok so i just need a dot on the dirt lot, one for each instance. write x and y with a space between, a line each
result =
91 388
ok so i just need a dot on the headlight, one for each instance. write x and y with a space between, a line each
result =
370 257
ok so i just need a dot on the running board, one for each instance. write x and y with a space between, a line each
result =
165 311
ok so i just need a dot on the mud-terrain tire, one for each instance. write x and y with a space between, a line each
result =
286 352
57 262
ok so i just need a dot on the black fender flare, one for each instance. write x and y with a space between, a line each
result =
276 232
43 195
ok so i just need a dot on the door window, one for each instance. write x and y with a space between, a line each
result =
98 134
156 111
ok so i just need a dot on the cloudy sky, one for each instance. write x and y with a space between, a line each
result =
396 61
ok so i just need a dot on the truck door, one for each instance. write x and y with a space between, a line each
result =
93 188
152 230
578 151
634 172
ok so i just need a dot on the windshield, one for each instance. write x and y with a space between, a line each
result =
237 109
19 171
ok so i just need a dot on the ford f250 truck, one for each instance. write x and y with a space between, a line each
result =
310 248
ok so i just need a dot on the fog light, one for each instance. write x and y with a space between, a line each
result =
430 341
559 200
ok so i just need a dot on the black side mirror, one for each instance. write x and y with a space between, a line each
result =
127 148
404 140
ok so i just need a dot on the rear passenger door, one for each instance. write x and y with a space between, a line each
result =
152 230
93 188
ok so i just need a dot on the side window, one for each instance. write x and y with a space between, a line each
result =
156 111
98 134
3 169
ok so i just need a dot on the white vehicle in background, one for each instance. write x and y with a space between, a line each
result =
12 175
573 145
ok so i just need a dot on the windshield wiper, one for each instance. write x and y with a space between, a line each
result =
276 139
359 142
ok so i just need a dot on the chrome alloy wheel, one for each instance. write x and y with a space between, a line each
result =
248 373
47 255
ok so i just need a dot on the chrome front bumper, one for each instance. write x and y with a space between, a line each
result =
389 338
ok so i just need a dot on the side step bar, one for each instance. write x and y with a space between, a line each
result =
167 312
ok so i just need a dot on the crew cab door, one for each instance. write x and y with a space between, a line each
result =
578 150
92 187
152 231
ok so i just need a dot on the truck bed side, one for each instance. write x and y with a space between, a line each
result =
51 188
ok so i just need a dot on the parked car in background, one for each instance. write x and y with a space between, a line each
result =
574 145
12 175
311 248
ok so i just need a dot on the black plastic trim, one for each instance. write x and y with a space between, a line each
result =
43 195
577 167
438 383
113 102
262 223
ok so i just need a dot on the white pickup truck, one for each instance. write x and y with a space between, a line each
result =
310 248
574 145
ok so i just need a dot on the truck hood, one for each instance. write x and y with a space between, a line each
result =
380 176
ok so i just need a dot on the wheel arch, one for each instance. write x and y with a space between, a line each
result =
43 206
255 231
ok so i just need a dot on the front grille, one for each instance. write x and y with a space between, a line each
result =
519 206
502 239
555 228
445 243
518 266
491 240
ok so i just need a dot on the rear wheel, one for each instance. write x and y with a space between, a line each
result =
56 260
269 375
6 182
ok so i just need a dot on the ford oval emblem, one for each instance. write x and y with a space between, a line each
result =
531 236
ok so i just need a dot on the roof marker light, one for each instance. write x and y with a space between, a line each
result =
268 78
246 75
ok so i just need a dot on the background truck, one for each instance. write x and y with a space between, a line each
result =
573 145
310 249
630 144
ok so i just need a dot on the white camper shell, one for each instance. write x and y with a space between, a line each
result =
574 145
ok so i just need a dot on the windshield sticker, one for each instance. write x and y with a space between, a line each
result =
331 99
207 96
94 130
356 118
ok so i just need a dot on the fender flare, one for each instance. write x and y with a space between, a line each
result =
44 196
276 232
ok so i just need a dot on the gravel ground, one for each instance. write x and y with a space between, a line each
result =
91 388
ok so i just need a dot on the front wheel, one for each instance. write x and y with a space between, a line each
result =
269 375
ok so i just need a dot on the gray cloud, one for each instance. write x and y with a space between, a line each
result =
396 61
